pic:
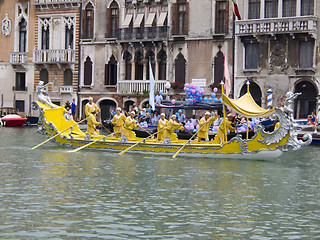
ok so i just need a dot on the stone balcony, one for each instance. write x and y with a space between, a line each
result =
54 56
139 86
273 26
145 34
18 58
66 89
40 4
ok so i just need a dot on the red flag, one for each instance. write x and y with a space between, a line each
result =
236 9
226 75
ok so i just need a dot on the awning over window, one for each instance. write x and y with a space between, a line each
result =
137 22
246 106
162 19
127 21
150 19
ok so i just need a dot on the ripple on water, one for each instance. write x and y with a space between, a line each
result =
50 194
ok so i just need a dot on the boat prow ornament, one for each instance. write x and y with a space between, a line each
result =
42 95
263 145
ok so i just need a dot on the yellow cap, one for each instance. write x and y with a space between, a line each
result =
207 113
230 115
162 114
133 112
118 109
90 98
173 116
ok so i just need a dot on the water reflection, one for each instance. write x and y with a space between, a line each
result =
49 193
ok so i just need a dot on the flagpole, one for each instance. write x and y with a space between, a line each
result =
233 52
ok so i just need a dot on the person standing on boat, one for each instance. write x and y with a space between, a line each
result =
118 121
90 106
220 136
92 123
171 126
129 124
162 123
204 126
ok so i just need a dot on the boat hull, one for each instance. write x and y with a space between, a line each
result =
13 122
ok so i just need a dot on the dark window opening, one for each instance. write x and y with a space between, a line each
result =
306 54
271 8
22 35
218 67
44 76
305 103
254 9
128 66
162 56
69 37
20 81
180 69
68 77
251 56
88 71
19 104
111 72
45 38
139 66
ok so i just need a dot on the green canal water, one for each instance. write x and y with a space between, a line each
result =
48 193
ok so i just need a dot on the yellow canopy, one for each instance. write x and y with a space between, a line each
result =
246 106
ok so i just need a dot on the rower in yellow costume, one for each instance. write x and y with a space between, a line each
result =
90 106
171 126
162 123
220 137
118 121
129 124
92 123
204 126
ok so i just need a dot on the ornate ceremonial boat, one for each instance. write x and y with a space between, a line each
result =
263 145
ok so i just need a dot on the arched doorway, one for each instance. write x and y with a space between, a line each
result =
307 101
105 106
83 104
127 104
255 92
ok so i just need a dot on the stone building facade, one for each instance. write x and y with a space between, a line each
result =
16 66
56 48
277 45
185 40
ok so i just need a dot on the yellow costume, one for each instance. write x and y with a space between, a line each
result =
91 125
129 124
161 125
90 107
219 138
203 130
118 122
171 126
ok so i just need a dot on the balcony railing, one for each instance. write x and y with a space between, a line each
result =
56 1
139 86
54 56
142 33
66 89
18 57
304 24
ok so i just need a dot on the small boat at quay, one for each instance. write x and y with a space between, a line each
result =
262 145
13 120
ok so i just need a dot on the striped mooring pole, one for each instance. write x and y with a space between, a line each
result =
269 97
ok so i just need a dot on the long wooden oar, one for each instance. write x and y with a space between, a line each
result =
57 134
176 154
124 151
84 146
105 128
145 130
